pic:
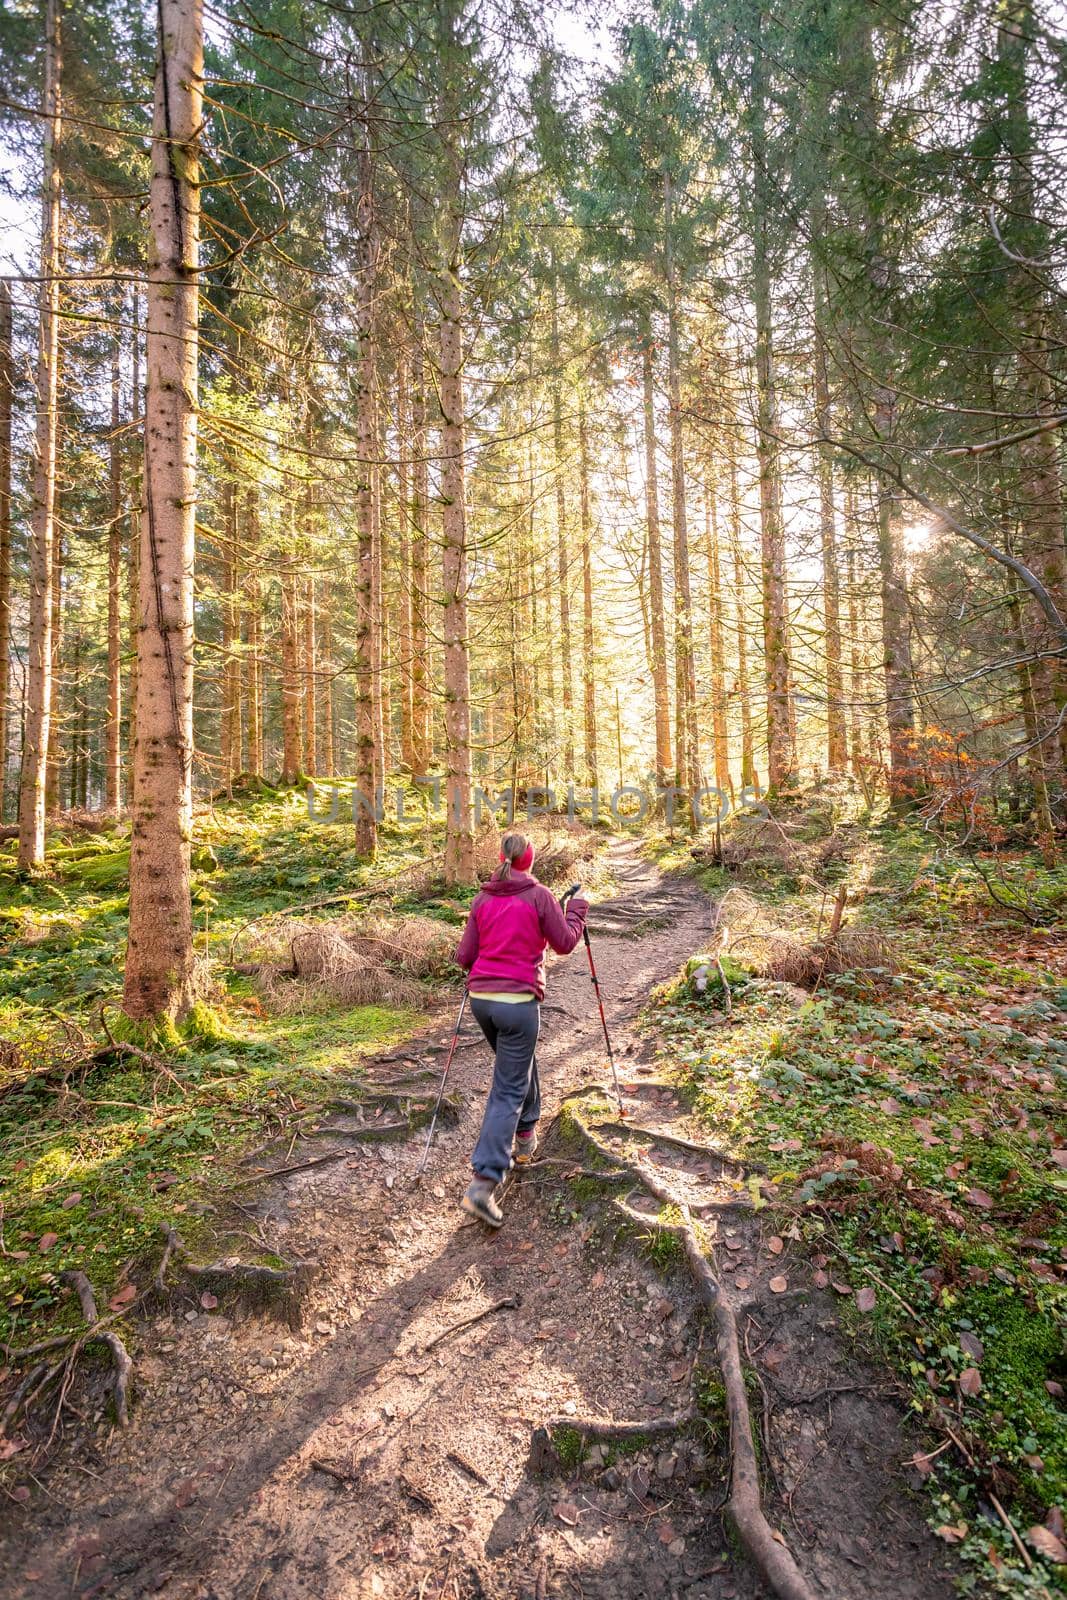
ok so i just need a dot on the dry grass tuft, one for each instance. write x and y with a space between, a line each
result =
859 950
307 966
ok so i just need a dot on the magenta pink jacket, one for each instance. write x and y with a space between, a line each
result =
512 921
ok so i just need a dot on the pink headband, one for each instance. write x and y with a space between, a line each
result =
524 862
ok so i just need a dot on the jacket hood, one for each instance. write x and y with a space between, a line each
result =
514 884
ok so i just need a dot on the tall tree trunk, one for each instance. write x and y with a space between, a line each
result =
657 621
404 564
459 828
716 648
562 551
1046 837
368 614
230 741
113 768
857 675
159 961
254 640
686 755
748 753
781 755
326 671
42 515
291 684
311 672
588 646
133 587
421 729
836 741
896 622
54 761
7 392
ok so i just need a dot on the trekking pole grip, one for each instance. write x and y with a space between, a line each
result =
573 890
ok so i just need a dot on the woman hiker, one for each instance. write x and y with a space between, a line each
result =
512 921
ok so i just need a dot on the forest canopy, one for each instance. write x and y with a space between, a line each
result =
673 400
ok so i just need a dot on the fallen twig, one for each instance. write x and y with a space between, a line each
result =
283 1172
507 1304
331 1471
464 1466
604 1428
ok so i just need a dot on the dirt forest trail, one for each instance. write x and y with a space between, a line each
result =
383 1450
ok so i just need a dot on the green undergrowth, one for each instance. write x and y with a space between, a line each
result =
97 1159
910 1122
100 1146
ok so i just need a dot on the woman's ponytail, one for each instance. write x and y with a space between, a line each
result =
513 848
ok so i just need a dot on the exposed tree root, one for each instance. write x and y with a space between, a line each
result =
544 1459
676 1139
764 1545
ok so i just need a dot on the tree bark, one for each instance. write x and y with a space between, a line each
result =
687 768
368 616
159 962
589 721
133 600
716 648
42 515
291 684
421 727
254 640
113 768
404 564
836 740
781 755
657 621
459 828
230 731
7 393
562 552
748 753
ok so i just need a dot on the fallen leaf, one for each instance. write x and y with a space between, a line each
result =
978 1197
666 1533
597 1280
775 1246
922 1464
952 1533
46 1241
866 1299
678 1370
842 1288
208 1301
1046 1542
568 1513
742 1283
20 1493
72 1200
972 1346
970 1380
778 1285
820 1279
123 1297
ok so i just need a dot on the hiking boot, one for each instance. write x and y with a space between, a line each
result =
479 1202
525 1146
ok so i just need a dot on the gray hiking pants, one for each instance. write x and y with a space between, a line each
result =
515 1097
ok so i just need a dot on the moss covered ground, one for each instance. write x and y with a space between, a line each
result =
911 1120
99 1147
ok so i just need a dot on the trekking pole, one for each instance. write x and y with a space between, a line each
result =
600 1002
441 1091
